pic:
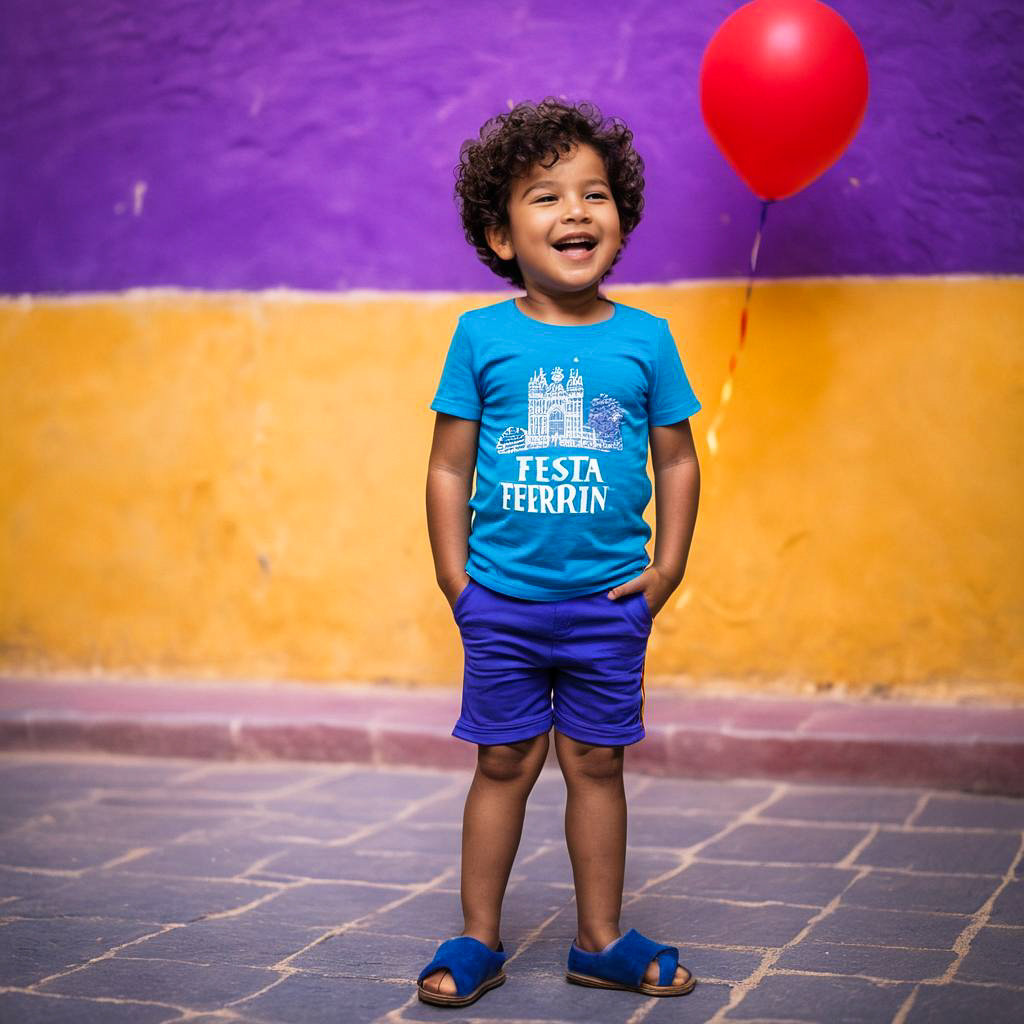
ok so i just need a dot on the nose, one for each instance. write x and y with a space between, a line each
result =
575 209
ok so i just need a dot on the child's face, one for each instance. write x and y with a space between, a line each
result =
552 203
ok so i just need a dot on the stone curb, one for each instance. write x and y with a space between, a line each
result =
973 749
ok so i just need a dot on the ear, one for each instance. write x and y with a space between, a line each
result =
498 240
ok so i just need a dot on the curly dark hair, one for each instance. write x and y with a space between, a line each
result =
510 144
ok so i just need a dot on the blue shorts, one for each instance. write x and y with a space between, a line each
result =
587 652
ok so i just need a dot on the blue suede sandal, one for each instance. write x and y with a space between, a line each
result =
474 966
623 963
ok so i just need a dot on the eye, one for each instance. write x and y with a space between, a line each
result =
600 195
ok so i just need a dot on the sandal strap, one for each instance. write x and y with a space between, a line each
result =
668 962
626 960
471 962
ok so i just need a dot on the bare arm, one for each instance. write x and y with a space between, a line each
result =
676 496
449 487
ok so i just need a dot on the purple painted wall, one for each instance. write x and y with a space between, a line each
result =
312 144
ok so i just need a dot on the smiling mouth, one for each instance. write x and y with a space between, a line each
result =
576 251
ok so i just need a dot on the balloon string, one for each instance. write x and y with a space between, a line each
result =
727 387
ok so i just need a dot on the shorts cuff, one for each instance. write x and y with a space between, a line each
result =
506 733
601 736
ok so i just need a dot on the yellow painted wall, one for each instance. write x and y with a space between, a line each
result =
232 486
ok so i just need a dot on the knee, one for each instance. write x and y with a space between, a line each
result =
585 763
513 762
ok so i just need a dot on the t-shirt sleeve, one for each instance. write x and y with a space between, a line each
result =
671 398
457 391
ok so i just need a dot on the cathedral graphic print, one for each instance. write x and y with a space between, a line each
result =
556 483
555 417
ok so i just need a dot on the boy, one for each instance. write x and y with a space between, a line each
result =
552 397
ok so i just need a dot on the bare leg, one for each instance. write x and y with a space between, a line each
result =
492 826
595 833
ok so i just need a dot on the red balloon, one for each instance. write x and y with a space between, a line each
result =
783 89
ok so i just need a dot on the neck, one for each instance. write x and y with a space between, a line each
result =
577 309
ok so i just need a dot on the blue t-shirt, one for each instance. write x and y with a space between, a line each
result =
561 467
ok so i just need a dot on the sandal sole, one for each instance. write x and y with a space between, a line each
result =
643 988
443 999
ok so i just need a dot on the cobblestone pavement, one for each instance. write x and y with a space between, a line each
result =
150 890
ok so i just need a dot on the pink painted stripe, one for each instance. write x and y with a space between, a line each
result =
979 749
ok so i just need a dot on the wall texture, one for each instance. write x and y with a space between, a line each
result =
311 144
233 486
203 477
